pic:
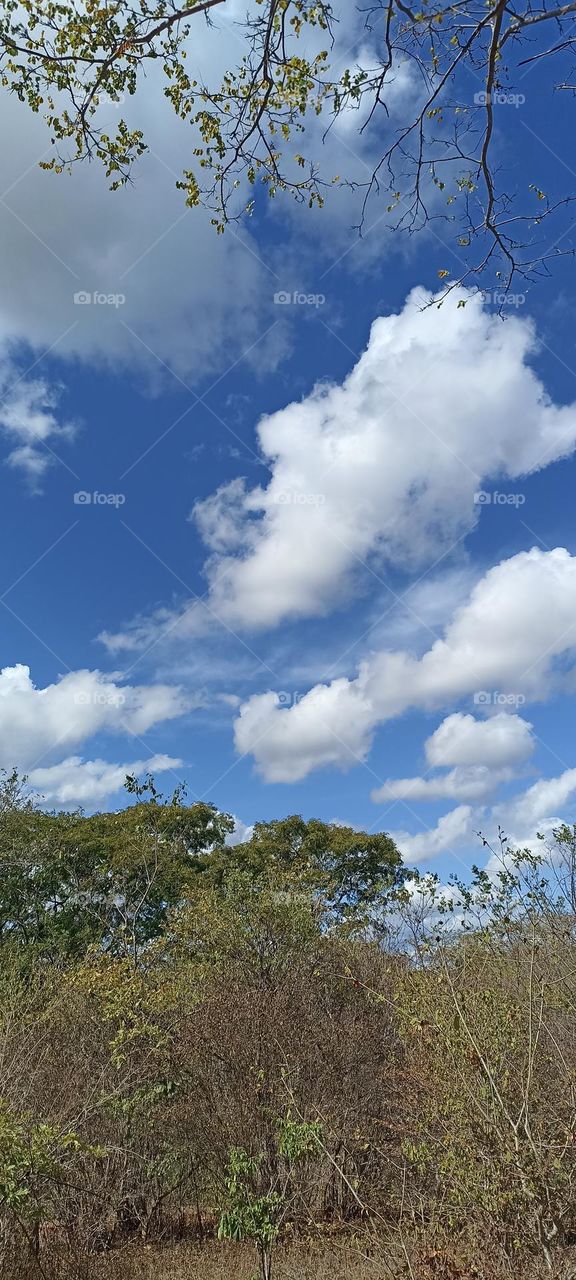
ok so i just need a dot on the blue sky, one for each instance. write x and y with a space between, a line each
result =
292 598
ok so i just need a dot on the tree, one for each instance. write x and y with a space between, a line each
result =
257 1207
441 157
67 879
349 869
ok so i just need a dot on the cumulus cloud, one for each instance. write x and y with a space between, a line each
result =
382 470
483 752
386 464
81 782
463 740
540 808
537 810
474 783
504 642
36 722
451 831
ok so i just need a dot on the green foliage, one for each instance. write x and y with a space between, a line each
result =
65 62
67 880
33 1157
249 1216
298 1138
348 869
253 928
253 1213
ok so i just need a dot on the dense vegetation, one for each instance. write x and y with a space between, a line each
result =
282 1040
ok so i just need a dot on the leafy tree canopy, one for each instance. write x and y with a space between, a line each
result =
349 868
67 879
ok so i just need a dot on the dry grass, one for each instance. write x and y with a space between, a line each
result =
317 1261
213 1261
237 1262
338 1260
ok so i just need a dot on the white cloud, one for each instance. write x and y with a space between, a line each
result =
332 725
386 464
452 831
461 740
380 470
474 783
70 234
484 753
242 831
539 808
29 418
37 722
195 299
162 265
519 618
84 782
190 298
